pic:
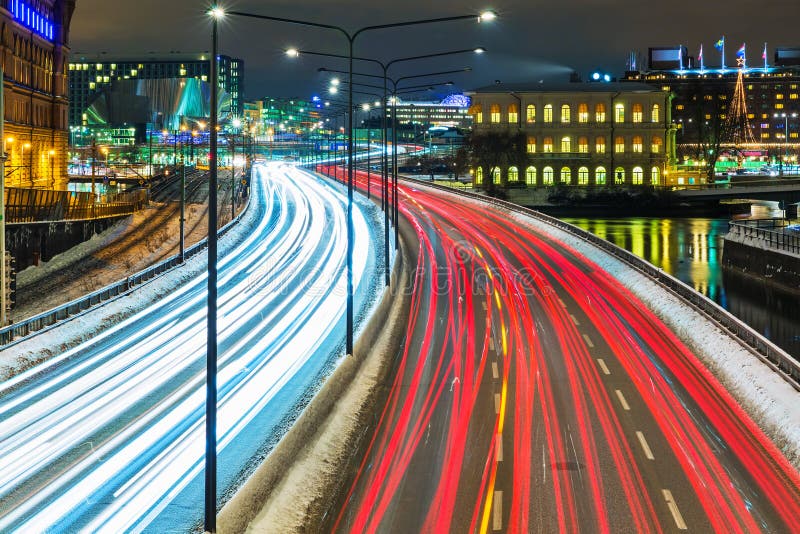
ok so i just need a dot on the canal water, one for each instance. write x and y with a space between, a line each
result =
690 249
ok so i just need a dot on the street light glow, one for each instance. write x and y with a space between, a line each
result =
333 89
217 12
237 123
487 16
480 50
335 82
292 52
365 107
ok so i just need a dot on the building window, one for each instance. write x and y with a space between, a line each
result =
636 144
566 144
566 114
513 114
600 176
530 175
583 176
477 111
619 176
583 113
638 176
600 112
619 144
548 145
513 174
548 113
547 176
600 145
779 106
655 147
496 175
479 175
655 113
619 113
566 175
530 113
531 145
636 113
494 113
583 145
655 174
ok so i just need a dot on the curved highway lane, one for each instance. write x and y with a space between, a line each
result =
109 436
536 394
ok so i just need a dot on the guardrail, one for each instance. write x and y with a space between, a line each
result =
775 239
44 321
44 205
769 353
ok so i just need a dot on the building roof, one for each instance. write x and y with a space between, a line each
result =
586 87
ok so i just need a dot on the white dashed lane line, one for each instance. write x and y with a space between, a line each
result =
622 401
603 366
673 508
645 447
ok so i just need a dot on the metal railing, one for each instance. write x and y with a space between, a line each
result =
45 205
775 239
44 321
775 357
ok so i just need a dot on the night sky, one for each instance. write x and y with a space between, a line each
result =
530 41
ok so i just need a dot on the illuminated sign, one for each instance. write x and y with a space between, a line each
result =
30 18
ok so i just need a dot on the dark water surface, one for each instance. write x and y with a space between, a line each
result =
690 249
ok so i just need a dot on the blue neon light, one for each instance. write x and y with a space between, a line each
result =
32 19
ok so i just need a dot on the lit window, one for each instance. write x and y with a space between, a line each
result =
479 175
566 144
513 174
583 113
566 114
531 145
619 175
779 96
600 112
793 96
530 175
619 113
655 113
494 113
638 176
548 113
496 175
583 145
99 66
566 175
600 176
655 175
679 107
764 135
530 113
547 176
513 114
655 146
708 98
583 176
636 113
619 144
779 106
548 144
600 145
636 144
477 111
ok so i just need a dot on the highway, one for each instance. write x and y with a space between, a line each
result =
536 394
109 436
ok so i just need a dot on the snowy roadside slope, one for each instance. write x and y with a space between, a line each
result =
766 397
40 347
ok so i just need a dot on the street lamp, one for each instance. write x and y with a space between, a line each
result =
785 117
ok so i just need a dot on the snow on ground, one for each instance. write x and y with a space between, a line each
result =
27 353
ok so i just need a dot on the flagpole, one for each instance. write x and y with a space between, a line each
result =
765 57
723 53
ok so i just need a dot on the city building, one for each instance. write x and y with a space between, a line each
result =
35 43
284 118
452 112
580 134
90 76
704 96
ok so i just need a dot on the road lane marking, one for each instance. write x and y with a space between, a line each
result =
491 344
673 508
497 515
495 370
574 320
483 303
561 302
588 341
497 403
499 446
647 452
622 401
603 366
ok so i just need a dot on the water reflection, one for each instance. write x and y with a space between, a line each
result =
691 250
